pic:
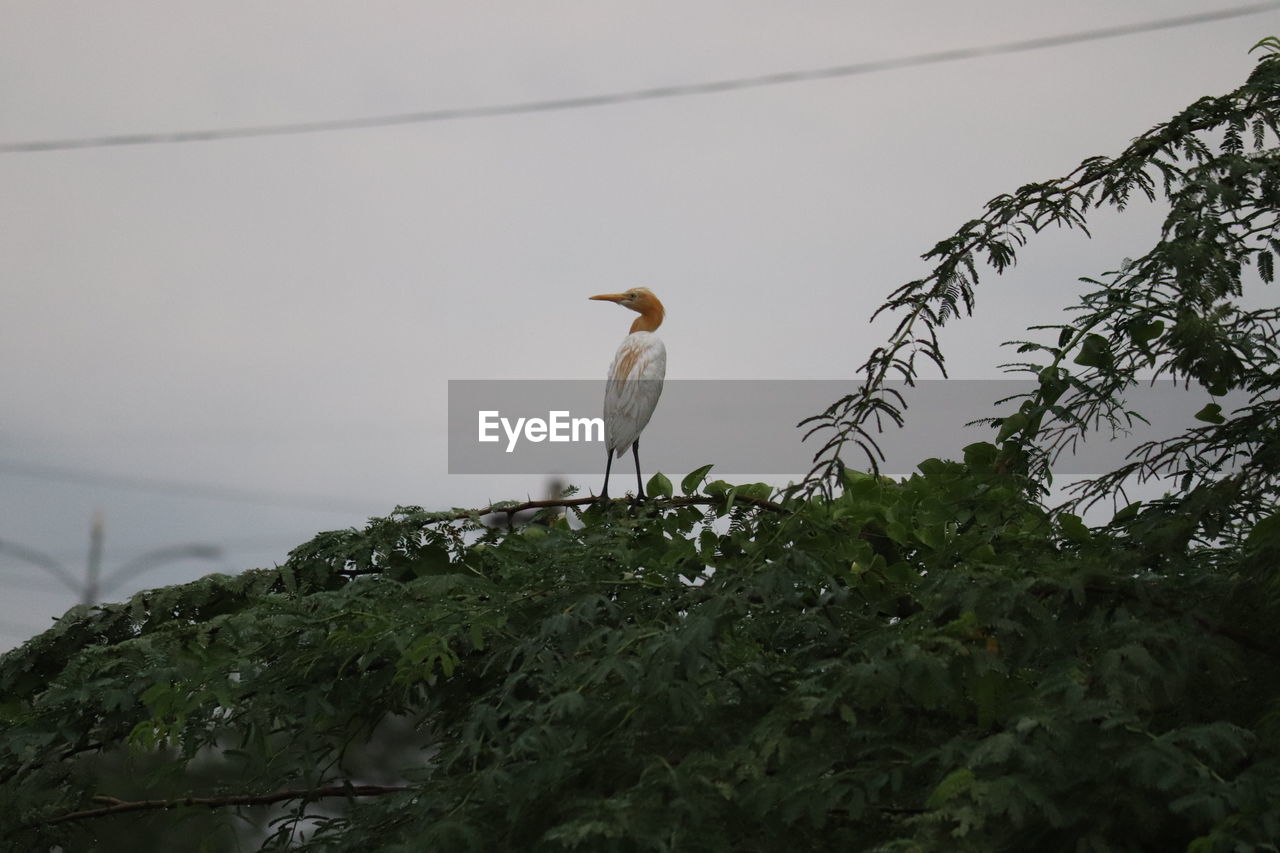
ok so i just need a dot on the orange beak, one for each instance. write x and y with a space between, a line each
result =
609 297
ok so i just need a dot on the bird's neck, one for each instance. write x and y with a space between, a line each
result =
650 318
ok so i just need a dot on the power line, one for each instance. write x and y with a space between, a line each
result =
650 94
201 491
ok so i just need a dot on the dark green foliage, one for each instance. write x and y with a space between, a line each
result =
936 664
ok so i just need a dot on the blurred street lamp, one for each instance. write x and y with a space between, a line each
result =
94 585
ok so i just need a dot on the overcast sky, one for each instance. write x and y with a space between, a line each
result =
279 315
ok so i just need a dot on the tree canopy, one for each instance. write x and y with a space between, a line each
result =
942 662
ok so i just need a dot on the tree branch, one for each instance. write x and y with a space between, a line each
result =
116 806
1004 222
659 503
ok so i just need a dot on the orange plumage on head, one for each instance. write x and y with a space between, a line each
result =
642 301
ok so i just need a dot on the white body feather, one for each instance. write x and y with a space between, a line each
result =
635 383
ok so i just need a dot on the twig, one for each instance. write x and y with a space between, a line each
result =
116 806
660 503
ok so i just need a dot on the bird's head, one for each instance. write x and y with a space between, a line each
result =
643 302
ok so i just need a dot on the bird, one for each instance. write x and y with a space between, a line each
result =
635 380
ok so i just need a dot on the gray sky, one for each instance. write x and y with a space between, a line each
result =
280 315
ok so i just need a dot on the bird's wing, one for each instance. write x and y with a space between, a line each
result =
635 383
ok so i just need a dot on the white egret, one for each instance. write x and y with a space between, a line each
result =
635 380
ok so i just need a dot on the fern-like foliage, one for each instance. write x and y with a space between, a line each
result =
1176 310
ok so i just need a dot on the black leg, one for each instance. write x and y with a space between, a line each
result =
635 451
608 463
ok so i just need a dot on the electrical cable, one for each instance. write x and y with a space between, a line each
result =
650 94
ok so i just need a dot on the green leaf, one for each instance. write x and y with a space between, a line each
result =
1095 351
689 485
1127 513
659 485
1011 424
1053 382
756 491
964 625
1203 844
981 454
718 488
932 535
932 467
1211 414
708 541
1145 333
953 785
1073 528
432 559
1265 534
